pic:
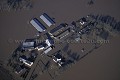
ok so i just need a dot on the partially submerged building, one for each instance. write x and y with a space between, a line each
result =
44 45
41 46
48 36
38 25
28 45
59 59
25 60
58 30
19 69
49 42
82 21
63 34
47 45
48 50
47 20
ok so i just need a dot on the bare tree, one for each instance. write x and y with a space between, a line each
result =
15 4
91 2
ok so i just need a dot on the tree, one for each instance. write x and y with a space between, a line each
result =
91 2
65 48
5 74
15 4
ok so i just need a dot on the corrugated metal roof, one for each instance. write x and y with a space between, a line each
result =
28 44
49 21
56 28
63 34
47 50
38 25
49 18
49 38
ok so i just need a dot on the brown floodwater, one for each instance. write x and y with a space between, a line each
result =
102 64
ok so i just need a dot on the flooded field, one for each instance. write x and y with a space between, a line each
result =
101 64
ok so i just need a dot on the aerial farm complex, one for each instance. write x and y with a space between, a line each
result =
48 51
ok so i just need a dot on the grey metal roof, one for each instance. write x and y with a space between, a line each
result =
38 25
63 34
48 20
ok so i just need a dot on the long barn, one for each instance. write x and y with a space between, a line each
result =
38 25
47 20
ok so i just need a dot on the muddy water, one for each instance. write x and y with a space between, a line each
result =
102 64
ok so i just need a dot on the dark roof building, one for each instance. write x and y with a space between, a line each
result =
19 69
58 29
49 38
59 59
63 34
